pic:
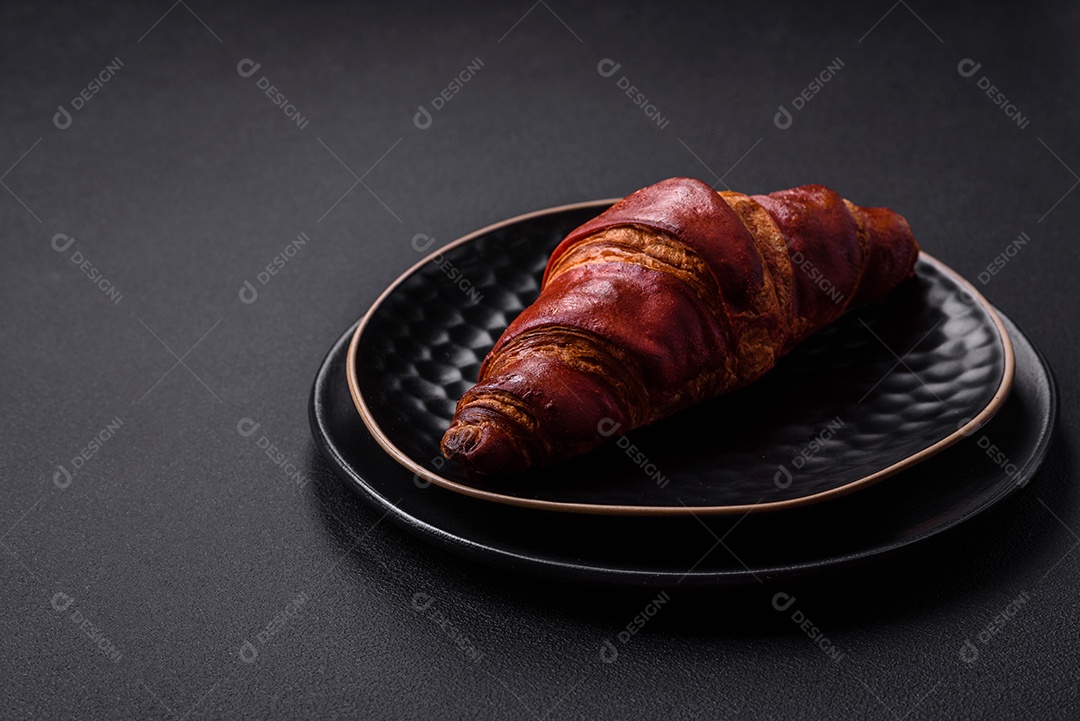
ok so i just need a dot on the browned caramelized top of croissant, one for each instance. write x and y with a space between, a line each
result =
672 296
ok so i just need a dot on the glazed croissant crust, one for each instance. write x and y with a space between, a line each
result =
672 296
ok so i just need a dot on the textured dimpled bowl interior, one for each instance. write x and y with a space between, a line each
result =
871 393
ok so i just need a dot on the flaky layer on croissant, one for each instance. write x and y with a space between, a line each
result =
672 296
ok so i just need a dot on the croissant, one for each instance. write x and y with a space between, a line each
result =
672 296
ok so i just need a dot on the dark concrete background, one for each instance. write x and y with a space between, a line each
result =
179 539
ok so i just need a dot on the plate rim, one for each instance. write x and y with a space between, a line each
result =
419 471
536 564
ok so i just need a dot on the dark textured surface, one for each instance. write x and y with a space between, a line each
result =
839 408
895 514
180 180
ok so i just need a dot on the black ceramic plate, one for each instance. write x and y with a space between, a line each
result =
909 507
884 388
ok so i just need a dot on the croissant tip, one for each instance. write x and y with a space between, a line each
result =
460 440
482 447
